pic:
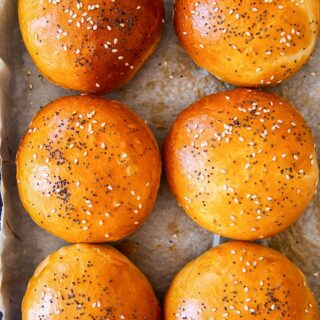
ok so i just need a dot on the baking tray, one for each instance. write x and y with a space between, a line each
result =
167 83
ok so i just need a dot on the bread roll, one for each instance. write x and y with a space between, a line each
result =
248 43
89 282
239 280
241 163
88 169
90 46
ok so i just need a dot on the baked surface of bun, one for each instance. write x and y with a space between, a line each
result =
248 43
90 46
89 282
88 169
240 280
241 163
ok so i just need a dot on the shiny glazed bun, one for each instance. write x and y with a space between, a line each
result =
248 43
91 46
88 169
239 280
241 163
89 282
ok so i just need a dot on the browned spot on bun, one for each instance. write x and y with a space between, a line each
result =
239 280
248 43
89 282
88 169
90 46
241 163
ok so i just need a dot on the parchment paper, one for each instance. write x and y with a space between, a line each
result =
167 83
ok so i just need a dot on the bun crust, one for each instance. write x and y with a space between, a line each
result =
94 48
248 43
239 280
88 169
241 163
89 282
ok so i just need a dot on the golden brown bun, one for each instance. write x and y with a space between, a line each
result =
239 280
241 163
88 169
248 43
90 46
89 282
